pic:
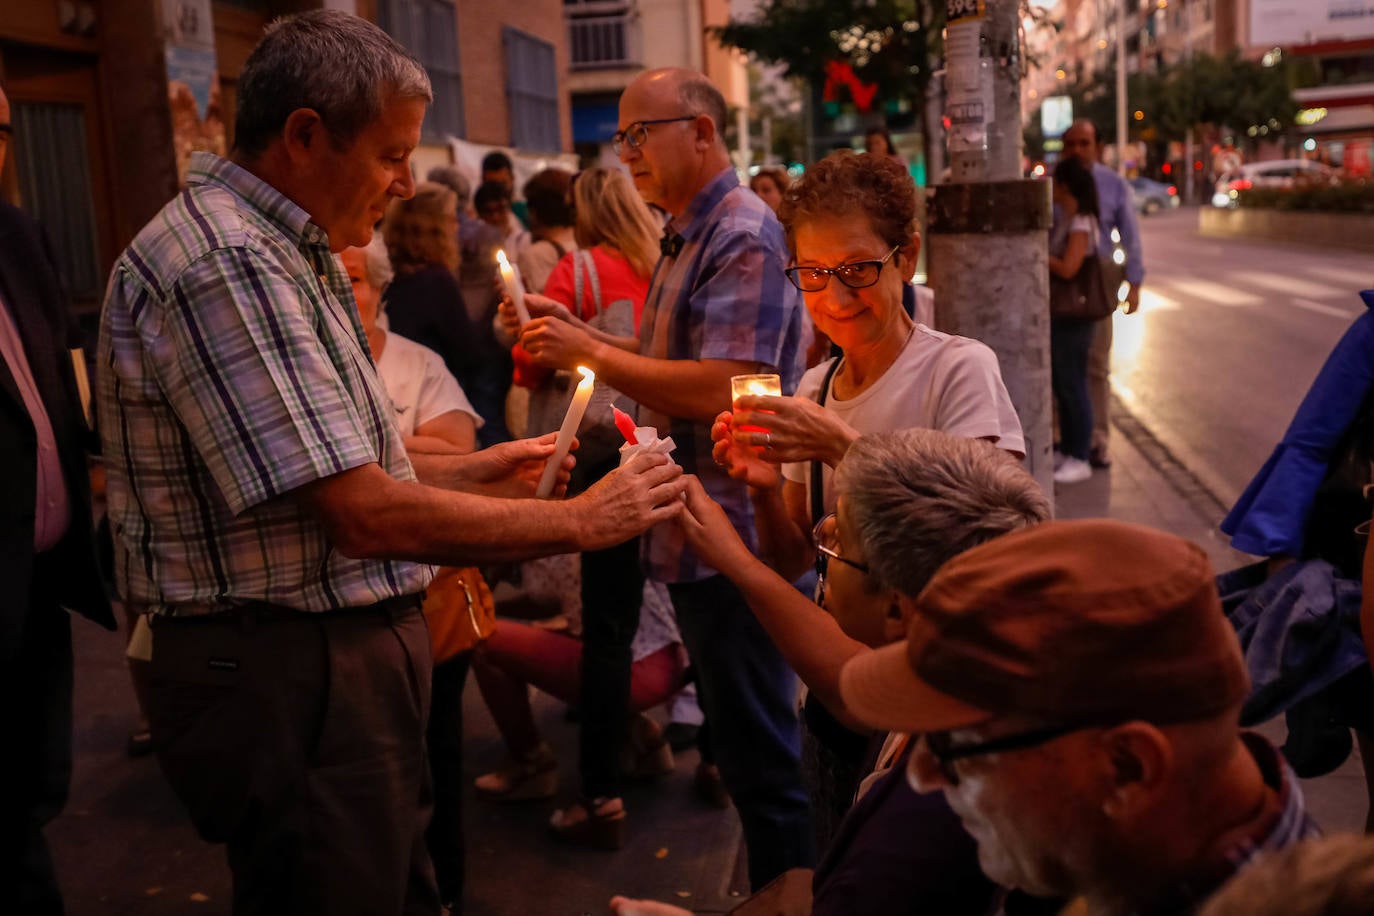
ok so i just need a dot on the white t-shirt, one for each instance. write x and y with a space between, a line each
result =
939 381
420 386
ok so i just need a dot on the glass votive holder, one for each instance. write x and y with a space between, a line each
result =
765 385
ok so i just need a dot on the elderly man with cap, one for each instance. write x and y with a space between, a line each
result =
1078 691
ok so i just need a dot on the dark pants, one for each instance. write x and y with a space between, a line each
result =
747 692
1070 342
612 592
298 740
38 685
486 387
444 737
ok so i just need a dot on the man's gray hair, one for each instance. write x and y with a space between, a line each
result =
698 95
920 497
450 177
342 67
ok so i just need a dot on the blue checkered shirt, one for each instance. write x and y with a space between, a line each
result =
723 296
232 369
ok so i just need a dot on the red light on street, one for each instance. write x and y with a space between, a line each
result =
1166 168
1197 165
1172 190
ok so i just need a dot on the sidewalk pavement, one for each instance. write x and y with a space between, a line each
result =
123 846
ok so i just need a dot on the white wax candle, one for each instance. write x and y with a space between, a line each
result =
510 276
571 421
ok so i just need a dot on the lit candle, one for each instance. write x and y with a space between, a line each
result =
765 385
510 276
571 421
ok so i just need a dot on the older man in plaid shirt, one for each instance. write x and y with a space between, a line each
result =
718 305
265 510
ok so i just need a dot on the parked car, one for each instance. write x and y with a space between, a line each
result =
1152 196
1276 173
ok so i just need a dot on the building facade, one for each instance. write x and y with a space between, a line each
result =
110 98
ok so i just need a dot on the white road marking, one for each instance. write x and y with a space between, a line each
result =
1215 293
1351 280
1310 306
1289 284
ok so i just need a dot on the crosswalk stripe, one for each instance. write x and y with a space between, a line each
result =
1290 285
1215 293
1321 309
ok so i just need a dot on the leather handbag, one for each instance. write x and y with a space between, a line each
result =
1083 297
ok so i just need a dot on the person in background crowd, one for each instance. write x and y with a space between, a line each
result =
424 303
497 168
450 177
551 227
434 416
770 183
49 557
1072 241
263 502
1081 716
906 503
878 142
719 306
617 237
851 225
1115 214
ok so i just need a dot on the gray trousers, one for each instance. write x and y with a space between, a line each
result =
1100 383
298 741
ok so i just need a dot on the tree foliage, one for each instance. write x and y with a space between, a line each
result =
886 42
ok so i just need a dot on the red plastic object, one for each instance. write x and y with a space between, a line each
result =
625 425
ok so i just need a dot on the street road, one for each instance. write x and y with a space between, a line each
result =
1228 337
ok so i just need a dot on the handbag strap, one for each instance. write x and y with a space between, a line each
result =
584 265
817 486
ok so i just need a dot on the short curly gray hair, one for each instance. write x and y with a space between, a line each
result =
340 66
920 497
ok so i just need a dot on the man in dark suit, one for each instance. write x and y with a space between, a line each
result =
47 554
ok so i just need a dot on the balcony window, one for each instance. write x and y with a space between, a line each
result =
429 30
531 91
601 34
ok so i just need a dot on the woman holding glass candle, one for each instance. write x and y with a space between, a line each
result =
851 227
617 238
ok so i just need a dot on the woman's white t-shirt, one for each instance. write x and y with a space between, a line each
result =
939 381
420 385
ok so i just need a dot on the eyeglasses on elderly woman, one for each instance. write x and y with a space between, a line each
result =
855 274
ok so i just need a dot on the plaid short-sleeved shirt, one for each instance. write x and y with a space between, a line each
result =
232 369
723 296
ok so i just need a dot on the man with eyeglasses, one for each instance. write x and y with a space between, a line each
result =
1078 693
718 306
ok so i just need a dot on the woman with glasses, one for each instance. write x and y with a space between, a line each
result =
851 227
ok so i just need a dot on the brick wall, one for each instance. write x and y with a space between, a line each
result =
484 67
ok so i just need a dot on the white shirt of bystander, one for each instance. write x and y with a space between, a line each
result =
419 384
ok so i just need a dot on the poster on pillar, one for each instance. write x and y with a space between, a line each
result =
192 81
968 86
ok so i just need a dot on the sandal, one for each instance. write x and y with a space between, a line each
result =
646 753
525 778
598 823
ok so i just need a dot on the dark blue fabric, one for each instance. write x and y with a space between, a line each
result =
898 851
746 691
1070 342
1269 518
1299 630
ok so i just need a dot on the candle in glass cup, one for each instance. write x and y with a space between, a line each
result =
510 276
763 385
766 385
571 421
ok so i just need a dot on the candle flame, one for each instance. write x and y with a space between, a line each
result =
587 374
501 259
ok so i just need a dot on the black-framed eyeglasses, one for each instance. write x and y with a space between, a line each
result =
946 753
855 274
634 135
826 537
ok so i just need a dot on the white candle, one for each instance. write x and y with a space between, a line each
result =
510 276
571 421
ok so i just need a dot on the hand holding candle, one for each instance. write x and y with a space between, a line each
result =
759 385
510 276
571 421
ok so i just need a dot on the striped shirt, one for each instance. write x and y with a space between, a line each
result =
232 370
723 296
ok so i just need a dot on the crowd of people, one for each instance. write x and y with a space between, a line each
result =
919 691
